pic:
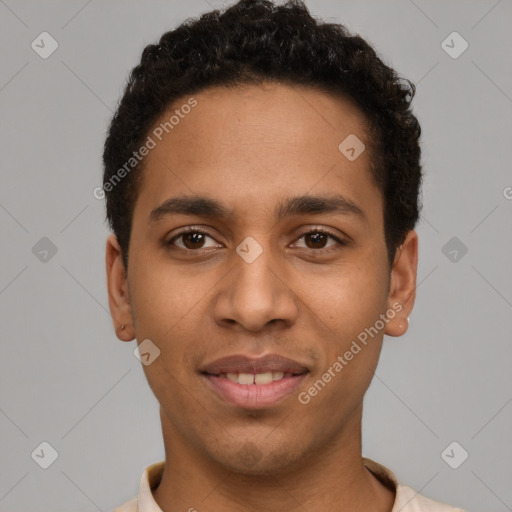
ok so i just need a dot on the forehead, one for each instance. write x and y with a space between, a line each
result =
270 115
257 141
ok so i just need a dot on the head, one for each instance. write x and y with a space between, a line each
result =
292 157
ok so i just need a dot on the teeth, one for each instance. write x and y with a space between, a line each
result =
245 378
263 378
259 378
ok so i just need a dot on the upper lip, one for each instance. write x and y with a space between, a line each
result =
246 364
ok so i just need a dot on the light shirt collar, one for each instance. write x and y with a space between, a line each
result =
406 500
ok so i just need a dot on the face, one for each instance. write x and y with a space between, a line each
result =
257 261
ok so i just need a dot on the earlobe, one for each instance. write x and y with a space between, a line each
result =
403 285
118 296
124 333
401 327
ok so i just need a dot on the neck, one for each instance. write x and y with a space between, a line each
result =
333 477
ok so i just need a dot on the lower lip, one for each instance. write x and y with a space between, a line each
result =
254 396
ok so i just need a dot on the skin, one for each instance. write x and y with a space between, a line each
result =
251 147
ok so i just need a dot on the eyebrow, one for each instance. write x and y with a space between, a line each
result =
301 205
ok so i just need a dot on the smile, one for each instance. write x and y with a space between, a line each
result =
258 378
254 383
247 393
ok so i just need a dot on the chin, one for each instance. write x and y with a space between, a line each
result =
254 459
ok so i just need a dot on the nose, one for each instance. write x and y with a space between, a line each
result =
255 295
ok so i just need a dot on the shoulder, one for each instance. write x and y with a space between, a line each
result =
408 500
129 506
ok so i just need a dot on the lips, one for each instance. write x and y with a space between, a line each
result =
254 383
265 364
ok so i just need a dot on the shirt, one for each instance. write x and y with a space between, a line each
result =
406 500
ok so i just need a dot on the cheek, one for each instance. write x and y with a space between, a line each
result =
354 299
351 304
349 298
164 298
168 307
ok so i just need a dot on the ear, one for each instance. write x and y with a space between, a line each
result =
402 289
118 297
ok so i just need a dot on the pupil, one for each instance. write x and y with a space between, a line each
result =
194 238
317 239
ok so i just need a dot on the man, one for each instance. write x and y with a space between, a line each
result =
262 174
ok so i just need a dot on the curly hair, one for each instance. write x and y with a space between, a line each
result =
256 41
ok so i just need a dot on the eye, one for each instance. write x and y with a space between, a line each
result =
191 239
318 238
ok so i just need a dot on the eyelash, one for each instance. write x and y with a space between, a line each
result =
192 229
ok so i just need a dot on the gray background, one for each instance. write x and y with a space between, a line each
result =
67 380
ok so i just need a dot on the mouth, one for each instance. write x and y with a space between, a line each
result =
259 379
254 383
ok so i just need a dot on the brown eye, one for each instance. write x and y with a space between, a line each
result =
191 239
318 239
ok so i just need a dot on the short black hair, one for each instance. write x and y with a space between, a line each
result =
253 42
